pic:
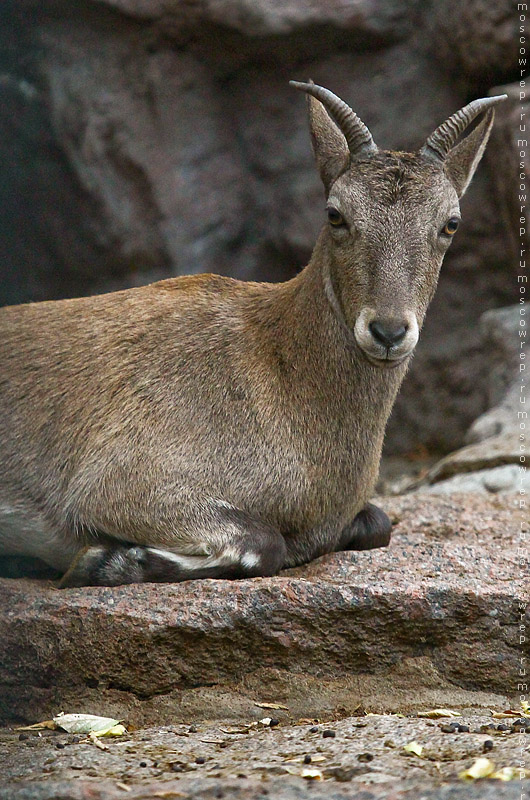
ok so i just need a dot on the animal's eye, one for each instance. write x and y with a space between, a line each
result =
335 217
450 227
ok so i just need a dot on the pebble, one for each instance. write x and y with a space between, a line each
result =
192 729
200 760
59 746
143 763
274 722
328 734
488 745
463 729
365 757
314 729
22 737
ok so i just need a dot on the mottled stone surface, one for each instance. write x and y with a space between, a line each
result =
503 331
433 616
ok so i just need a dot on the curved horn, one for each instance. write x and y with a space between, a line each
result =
355 132
444 137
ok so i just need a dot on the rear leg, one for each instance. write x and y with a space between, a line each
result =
240 547
371 528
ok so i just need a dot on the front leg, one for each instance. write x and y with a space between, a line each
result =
224 542
371 528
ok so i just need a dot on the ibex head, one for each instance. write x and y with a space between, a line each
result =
391 217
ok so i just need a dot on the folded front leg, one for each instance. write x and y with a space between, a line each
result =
233 545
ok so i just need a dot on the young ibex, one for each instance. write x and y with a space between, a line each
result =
203 427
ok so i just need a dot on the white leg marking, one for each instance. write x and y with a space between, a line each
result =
250 560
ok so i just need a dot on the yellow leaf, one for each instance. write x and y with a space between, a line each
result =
505 774
117 730
413 747
311 774
482 768
271 705
436 713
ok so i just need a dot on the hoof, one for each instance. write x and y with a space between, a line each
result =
371 528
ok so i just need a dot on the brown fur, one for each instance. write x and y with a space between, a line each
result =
225 428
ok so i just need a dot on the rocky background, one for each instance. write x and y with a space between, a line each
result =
146 138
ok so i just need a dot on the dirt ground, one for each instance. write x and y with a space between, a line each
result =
363 755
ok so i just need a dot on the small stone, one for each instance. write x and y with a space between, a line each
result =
389 743
328 734
463 729
22 737
143 763
447 729
59 746
75 740
176 768
192 729
274 722
487 746
200 760
365 757
503 727
314 729
307 759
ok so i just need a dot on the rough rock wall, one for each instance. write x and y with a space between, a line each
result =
147 138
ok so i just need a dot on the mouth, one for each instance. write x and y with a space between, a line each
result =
387 362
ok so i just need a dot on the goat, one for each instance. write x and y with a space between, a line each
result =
205 427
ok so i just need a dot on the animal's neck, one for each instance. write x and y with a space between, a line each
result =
313 335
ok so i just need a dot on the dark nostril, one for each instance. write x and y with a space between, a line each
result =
387 334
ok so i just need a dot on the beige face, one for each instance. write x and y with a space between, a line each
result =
391 219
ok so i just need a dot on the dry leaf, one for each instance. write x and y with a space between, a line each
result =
508 714
311 774
414 748
482 768
48 723
507 774
123 786
93 737
271 705
314 759
88 723
243 729
437 713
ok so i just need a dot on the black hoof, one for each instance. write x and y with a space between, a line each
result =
371 528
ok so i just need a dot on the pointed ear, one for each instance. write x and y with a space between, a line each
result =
463 159
329 145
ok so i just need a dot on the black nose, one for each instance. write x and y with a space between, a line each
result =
387 333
